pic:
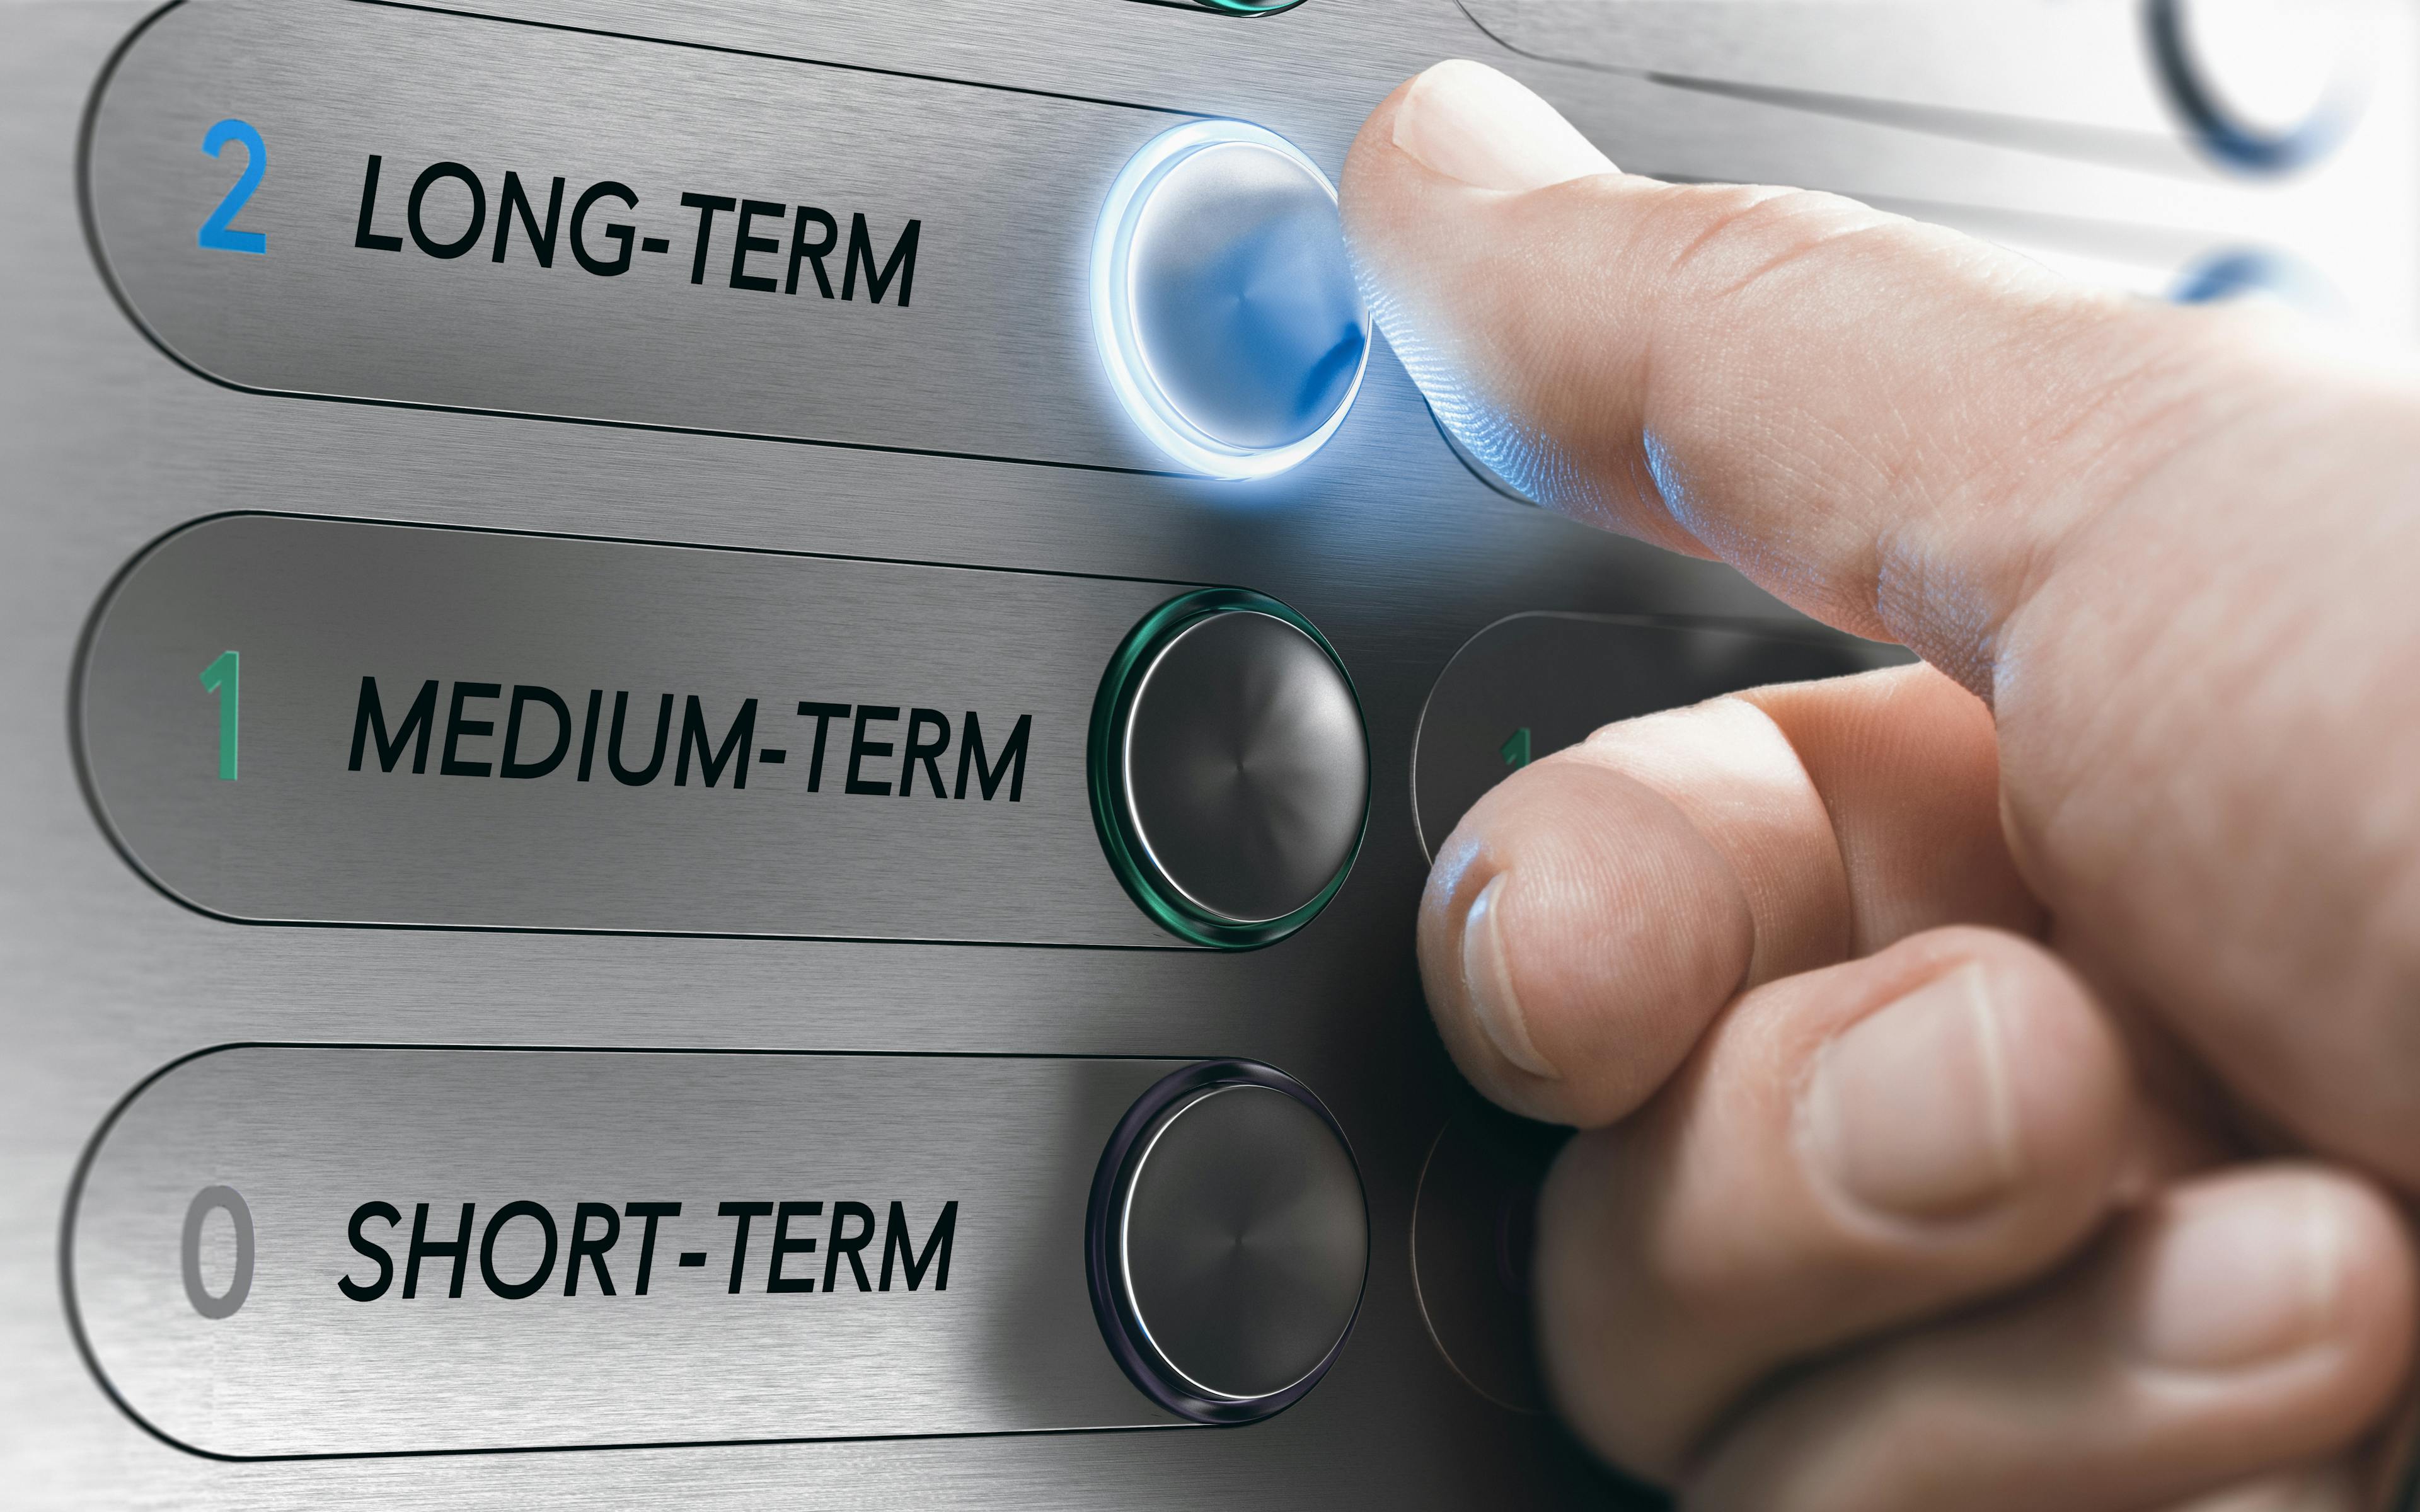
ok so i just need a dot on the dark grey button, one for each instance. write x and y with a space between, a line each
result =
1243 1241
1247 774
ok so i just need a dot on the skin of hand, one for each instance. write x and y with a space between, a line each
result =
1998 1080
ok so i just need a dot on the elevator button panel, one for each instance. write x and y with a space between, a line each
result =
319 1250
295 719
694 238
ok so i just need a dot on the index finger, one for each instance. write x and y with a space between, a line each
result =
1889 424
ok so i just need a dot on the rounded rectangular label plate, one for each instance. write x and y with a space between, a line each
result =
284 1251
311 720
354 200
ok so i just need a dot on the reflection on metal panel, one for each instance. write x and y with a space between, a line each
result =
1527 686
611 1248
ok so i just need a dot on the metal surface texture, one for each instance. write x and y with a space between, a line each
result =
1242 1240
661 254
1530 685
621 737
1395 550
760 1188
1247 770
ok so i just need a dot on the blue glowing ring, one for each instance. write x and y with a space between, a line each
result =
1113 303
2240 146
2238 273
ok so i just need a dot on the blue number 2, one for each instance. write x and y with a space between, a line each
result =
215 231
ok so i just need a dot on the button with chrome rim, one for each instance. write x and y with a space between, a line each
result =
1227 1242
1229 768
1223 304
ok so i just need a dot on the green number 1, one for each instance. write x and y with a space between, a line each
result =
224 677
1515 751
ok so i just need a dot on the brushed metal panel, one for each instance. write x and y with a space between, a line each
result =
335 817
982 346
996 1336
2036 65
1726 110
1383 539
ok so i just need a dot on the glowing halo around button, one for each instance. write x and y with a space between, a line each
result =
1116 295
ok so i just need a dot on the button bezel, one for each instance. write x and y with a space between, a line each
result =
1129 857
2214 125
1122 1326
1112 302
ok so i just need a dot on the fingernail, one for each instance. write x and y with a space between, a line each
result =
1908 1111
2240 1277
1470 123
1487 982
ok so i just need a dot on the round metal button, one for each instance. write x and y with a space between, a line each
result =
1226 311
1230 768
1232 1239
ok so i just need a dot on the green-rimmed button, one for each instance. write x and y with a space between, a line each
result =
1229 769
1251 8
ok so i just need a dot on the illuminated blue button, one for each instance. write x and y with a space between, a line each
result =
2267 86
1224 306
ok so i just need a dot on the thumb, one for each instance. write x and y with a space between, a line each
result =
1888 425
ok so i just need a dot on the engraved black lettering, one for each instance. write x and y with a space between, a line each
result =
647 774
366 237
363 1243
898 1241
457 727
588 733
742 244
516 1291
593 1250
511 765
901 265
651 1211
859 748
801 250
784 1244
710 763
369 721
1011 758
823 714
430 178
924 750
423 1247
614 231
707 205
515 200
743 1212
839 1245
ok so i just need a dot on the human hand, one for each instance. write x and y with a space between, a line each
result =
1998 1078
